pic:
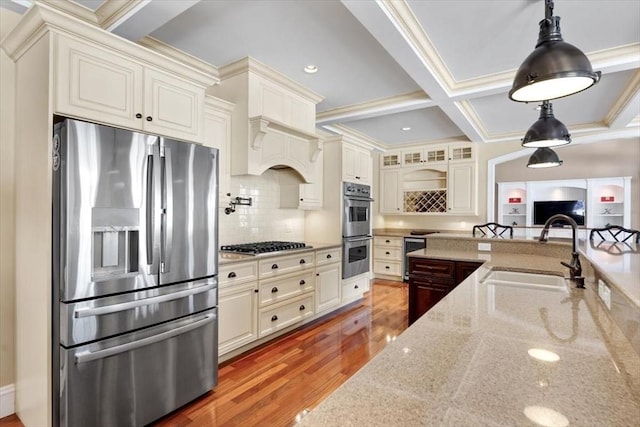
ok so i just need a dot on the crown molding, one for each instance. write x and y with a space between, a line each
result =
356 138
376 107
111 12
180 56
628 99
41 18
252 65
211 101
72 9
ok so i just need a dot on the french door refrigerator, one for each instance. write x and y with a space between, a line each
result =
134 274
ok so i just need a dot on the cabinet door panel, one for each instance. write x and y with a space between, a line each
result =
461 198
423 296
96 84
328 287
238 321
174 106
390 192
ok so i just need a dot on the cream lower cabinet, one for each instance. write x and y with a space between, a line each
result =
237 306
354 287
387 257
328 279
106 86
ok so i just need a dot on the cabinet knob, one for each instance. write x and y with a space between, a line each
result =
274 266
357 177
302 261
255 291
274 318
138 116
302 307
274 290
302 200
231 275
387 253
355 287
318 274
302 282
328 256
149 118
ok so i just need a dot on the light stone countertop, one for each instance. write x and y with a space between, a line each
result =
225 258
467 361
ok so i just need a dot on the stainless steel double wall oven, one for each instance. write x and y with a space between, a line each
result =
134 273
356 229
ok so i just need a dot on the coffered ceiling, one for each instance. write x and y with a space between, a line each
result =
440 67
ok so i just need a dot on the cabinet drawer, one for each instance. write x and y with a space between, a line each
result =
392 254
395 242
354 288
278 266
238 273
328 256
433 268
276 290
280 316
434 283
392 268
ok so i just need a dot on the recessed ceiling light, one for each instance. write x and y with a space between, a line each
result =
311 69
406 128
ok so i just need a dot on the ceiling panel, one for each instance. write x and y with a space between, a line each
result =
287 35
500 115
430 123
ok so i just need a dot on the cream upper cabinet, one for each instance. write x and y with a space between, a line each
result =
390 160
105 86
217 134
356 164
390 192
462 188
420 156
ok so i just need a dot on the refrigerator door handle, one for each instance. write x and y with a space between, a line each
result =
149 221
89 356
167 211
114 308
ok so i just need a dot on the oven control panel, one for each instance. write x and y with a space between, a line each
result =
358 190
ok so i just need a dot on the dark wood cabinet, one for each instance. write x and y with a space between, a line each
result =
430 280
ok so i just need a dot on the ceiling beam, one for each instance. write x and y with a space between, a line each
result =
136 19
625 110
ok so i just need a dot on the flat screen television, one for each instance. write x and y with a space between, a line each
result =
542 211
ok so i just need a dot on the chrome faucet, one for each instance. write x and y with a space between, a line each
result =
575 268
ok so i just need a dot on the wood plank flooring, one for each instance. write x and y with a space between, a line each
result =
274 384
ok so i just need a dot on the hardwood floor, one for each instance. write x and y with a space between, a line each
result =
274 384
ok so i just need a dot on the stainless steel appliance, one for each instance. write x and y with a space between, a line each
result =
134 273
269 247
411 244
356 229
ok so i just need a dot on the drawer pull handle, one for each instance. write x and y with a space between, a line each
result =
355 287
138 116
302 282
274 318
302 261
387 253
302 307
232 275
274 266
255 291
274 290
149 118
387 241
386 266
328 256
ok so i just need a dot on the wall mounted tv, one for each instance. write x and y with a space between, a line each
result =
542 211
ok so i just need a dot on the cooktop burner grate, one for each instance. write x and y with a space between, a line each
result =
263 247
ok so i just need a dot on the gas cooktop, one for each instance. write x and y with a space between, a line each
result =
264 247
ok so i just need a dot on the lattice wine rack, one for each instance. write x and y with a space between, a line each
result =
434 201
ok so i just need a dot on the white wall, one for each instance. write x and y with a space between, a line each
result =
8 20
264 220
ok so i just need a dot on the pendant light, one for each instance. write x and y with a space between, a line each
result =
555 68
547 131
544 158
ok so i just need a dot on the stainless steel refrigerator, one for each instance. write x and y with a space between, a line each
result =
134 274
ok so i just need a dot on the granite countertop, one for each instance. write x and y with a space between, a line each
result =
496 355
225 258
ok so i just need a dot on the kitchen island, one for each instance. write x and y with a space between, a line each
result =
498 355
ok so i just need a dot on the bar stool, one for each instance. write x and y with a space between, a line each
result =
493 229
615 233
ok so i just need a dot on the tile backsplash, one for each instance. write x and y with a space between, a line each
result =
264 220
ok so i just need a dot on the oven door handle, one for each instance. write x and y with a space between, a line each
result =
357 239
359 199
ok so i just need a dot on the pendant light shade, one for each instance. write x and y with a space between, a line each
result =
547 131
555 68
544 158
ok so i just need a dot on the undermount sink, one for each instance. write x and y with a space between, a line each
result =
526 280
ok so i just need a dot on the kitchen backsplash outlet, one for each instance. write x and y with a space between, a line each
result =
262 221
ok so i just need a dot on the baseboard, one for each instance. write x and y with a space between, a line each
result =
7 400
